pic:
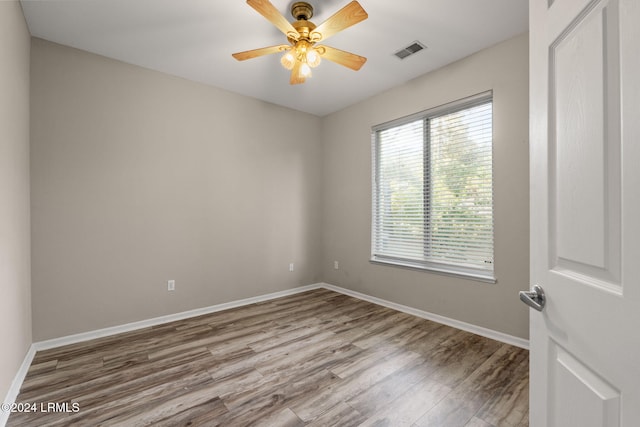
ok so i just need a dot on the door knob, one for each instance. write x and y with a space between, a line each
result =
534 298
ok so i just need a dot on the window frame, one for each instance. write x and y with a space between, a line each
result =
483 275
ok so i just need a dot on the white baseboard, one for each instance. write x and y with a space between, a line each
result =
478 330
128 327
100 333
14 390
85 336
10 398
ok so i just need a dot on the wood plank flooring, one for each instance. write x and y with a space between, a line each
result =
318 358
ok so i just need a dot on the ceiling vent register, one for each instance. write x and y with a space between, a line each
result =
415 47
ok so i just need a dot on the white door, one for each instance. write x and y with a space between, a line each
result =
585 212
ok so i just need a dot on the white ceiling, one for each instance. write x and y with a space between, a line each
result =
194 39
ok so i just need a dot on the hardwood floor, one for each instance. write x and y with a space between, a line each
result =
313 359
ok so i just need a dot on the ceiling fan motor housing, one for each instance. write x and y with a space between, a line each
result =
304 29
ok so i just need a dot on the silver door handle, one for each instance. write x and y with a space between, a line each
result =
534 298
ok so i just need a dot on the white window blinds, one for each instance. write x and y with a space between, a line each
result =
433 190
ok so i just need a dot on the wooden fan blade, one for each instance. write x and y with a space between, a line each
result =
242 56
296 77
349 15
269 11
347 59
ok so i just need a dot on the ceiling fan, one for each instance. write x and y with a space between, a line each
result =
302 53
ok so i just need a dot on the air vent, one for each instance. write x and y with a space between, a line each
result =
414 47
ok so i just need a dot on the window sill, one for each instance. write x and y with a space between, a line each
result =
459 272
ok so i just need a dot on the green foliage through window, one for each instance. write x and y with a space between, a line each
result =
433 189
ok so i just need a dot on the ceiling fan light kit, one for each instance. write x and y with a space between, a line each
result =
302 54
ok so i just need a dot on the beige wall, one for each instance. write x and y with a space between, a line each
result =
346 139
140 177
15 279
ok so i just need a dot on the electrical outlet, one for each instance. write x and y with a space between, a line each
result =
171 285
336 265
291 267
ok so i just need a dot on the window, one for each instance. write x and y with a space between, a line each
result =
433 190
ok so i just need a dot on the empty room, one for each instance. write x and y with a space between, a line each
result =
322 213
